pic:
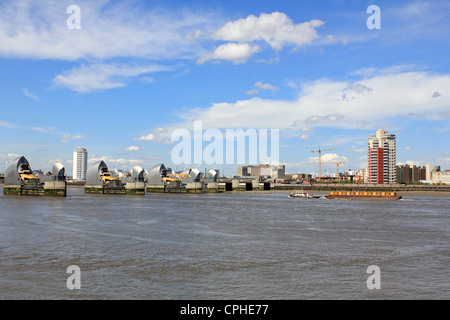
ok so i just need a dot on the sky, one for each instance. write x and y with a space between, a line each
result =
120 77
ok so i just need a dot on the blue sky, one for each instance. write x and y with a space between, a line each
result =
137 70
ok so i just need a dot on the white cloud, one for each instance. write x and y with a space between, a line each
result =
9 156
252 92
407 148
37 29
47 130
29 95
67 137
304 137
329 157
260 85
275 28
235 52
5 124
117 161
160 135
409 162
265 86
102 76
320 104
148 137
358 150
132 148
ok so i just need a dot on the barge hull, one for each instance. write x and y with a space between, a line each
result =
363 197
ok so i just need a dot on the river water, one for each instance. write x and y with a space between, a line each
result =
223 246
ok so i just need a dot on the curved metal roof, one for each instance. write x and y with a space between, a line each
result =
211 176
58 171
12 176
193 175
136 175
155 175
94 173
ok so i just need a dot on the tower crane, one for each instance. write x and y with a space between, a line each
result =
320 159
337 167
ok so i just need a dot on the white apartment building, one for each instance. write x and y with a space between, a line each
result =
381 158
80 157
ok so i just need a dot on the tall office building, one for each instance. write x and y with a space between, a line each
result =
382 158
80 156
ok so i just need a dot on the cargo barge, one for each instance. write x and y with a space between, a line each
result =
363 195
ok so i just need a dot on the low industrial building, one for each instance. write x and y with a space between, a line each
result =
261 171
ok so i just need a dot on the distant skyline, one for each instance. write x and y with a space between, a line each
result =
134 71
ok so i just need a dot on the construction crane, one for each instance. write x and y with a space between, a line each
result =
320 159
337 167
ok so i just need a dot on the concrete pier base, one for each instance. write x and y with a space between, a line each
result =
50 189
155 188
212 187
135 188
13 190
231 185
55 188
93 189
194 187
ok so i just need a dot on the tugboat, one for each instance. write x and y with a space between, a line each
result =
302 195
359 195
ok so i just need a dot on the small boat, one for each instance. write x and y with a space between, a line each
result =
302 195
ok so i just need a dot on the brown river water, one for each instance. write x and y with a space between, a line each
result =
223 246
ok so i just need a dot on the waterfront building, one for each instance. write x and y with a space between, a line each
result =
382 158
80 159
440 177
411 173
262 170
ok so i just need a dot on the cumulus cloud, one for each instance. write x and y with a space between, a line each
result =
252 92
261 85
160 135
275 28
132 148
265 86
320 104
148 137
235 52
354 91
328 157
